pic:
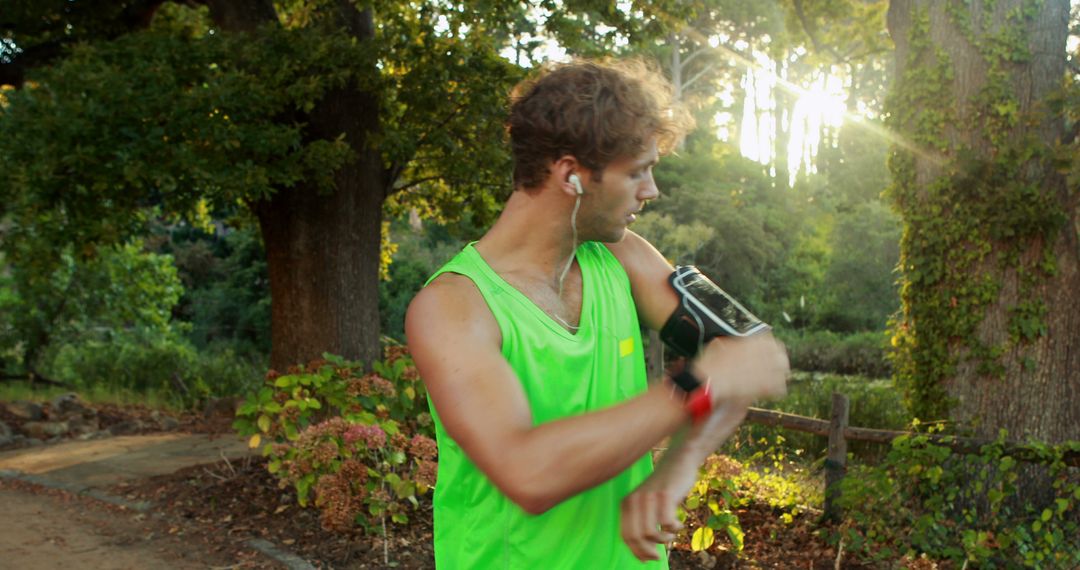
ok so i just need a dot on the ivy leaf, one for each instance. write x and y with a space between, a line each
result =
703 538
736 535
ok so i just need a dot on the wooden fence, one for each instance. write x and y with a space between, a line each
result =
839 433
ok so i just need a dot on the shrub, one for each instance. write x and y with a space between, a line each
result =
360 473
710 506
925 499
726 486
824 351
137 360
150 360
361 444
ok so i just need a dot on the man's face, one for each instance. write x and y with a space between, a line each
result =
611 204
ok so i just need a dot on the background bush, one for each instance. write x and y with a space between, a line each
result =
873 403
860 353
151 360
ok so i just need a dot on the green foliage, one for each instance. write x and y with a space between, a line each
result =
709 508
137 109
819 255
725 486
56 296
964 508
773 475
858 286
226 288
159 118
825 351
747 226
840 31
97 394
420 252
149 361
361 444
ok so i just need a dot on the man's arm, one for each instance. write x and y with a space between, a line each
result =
737 368
455 342
741 370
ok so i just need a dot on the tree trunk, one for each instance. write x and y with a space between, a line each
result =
323 259
323 249
990 330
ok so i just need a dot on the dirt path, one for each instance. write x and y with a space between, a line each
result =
56 512
52 530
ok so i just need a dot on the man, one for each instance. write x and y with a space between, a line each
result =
529 344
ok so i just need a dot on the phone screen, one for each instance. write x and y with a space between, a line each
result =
728 311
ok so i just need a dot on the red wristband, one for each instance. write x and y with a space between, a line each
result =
699 404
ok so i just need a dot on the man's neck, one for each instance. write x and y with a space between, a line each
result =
532 238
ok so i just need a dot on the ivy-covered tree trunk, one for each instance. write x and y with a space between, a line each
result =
323 251
989 334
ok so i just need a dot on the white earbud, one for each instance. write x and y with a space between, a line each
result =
577 183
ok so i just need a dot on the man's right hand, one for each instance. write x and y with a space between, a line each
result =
749 368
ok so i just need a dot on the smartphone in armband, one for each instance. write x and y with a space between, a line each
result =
713 312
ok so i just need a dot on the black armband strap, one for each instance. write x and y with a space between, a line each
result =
704 312
686 381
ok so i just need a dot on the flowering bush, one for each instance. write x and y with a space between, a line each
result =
359 473
359 444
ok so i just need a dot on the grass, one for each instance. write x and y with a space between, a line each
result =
22 390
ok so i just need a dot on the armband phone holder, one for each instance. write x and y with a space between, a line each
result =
705 312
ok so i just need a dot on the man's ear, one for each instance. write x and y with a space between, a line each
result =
568 174
576 181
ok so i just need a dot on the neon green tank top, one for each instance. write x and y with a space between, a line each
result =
563 374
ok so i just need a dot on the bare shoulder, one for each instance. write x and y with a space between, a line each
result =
449 305
637 255
630 247
648 271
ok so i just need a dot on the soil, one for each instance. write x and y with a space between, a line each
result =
204 516
48 528
230 502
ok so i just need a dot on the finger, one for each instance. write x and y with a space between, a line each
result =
668 519
662 523
631 524
649 523
648 526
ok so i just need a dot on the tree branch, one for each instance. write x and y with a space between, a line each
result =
416 182
241 15
396 170
698 75
419 181
686 61
136 16
811 32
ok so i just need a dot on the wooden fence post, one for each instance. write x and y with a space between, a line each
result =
836 461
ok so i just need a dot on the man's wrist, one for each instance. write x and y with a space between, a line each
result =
696 396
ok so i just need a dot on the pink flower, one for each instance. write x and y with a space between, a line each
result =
423 447
426 473
372 436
